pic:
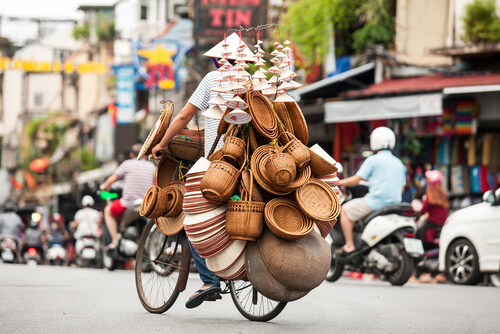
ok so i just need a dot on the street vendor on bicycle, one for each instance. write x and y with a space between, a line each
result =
197 102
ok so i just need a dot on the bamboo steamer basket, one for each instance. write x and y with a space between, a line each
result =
245 218
220 181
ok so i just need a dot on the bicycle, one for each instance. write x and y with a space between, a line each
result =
162 270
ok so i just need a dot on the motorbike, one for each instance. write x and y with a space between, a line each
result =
8 250
55 255
133 224
385 243
32 257
87 252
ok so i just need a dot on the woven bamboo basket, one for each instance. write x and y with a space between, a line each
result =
284 117
160 205
165 172
320 166
297 150
245 218
175 198
148 201
256 193
299 122
170 225
234 147
285 219
187 149
157 132
280 168
318 200
220 181
223 125
263 117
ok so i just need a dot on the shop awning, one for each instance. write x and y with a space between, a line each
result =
424 84
471 89
384 108
356 78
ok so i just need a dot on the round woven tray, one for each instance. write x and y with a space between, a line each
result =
299 122
285 219
165 172
148 201
157 132
263 117
170 225
283 115
318 200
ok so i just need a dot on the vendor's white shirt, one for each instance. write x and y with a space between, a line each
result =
200 99
88 219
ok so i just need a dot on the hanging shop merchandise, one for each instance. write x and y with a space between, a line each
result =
261 205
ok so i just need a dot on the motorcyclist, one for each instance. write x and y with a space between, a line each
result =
11 224
385 174
87 221
57 234
138 176
33 238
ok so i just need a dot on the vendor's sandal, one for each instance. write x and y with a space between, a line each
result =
342 253
202 295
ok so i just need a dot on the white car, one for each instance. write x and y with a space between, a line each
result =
470 242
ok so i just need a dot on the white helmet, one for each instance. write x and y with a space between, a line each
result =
382 138
87 200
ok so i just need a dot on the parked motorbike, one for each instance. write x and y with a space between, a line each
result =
385 243
128 243
8 250
87 252
55 255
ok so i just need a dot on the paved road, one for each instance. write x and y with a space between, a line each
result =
47 299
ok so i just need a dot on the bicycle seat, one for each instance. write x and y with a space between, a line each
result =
404 209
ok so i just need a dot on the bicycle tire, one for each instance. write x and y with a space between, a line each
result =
159 283
253 305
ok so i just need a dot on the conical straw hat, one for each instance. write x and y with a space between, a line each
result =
232 41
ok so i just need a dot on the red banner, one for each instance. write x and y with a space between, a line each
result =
214 17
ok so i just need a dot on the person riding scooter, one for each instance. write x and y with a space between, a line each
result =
86 227
385 174
138 176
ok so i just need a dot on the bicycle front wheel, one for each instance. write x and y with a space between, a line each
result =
162 264
251 304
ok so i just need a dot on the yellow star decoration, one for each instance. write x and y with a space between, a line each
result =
158 56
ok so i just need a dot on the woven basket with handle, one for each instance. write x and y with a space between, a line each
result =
245 218
297 150
220 181
234 147
280 168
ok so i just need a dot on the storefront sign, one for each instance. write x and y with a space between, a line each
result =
51 67
125 94
214 17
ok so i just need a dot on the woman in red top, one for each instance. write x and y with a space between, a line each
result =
435 207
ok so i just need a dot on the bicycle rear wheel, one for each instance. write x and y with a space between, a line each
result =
251 304
162 265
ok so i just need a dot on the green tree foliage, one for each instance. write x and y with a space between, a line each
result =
82 32
378 27
481 23
358 22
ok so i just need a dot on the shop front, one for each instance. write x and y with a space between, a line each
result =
446 123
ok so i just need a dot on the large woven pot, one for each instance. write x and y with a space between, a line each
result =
263 281
299 265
